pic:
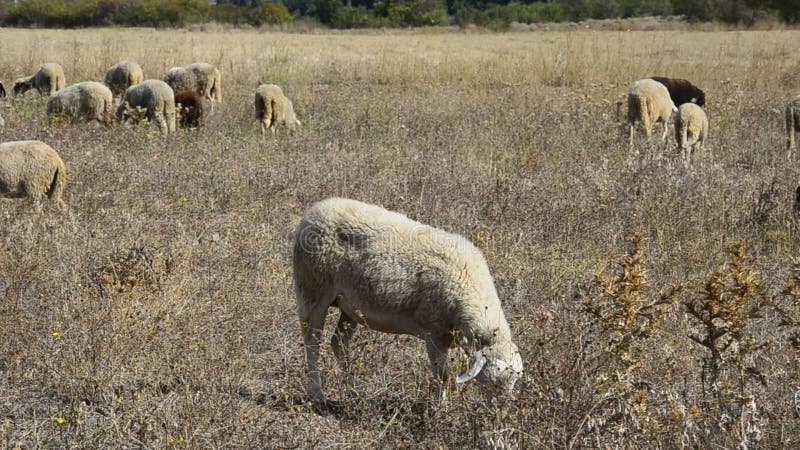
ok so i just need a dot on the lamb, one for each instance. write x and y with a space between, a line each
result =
273 108
158 100
202 78
395 275
792 116
88 100
123 75
48 79
190 109
691 129
682 91
649 102
31 169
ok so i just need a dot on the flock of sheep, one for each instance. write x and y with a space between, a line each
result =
379 268
177 99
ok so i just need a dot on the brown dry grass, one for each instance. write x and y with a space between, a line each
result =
159 311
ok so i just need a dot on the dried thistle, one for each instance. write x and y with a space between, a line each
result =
622 307
125 269
731 298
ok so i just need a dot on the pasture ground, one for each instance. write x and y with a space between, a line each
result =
159 313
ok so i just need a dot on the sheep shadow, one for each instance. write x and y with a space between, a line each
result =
353 408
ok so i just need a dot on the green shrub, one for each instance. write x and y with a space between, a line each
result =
269 13
356 17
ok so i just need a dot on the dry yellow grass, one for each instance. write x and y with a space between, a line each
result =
159 312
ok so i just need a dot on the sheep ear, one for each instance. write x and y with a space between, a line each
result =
473 372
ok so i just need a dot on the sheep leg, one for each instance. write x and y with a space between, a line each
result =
340 342
437 347
666 130
631 129
311 323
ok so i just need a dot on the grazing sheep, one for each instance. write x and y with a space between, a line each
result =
88 100
273 108
2 90
190 109
123 75
158 100
649 103
691 129
792 116
682 91
202 78
392 274
48 79
209 80
181 79
31 169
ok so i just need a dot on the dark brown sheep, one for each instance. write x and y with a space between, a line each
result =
682 91
190 109
2 91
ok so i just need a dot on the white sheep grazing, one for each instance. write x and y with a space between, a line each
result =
156 98
209 81
691 129
792 116
31 169
88 100
123 75
181 79
273 108
48 79
649 103
392 274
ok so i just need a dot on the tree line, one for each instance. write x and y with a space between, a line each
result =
494 14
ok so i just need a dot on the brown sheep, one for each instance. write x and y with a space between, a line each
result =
190 109
682 91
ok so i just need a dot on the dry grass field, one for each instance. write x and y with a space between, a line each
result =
655 305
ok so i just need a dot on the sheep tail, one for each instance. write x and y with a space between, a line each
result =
273 113
681 133
57 184
216 89
644 113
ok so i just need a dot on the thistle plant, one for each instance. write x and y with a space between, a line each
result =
623 306
625 311
730 300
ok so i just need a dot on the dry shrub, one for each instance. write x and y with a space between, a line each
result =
731 300
625 313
